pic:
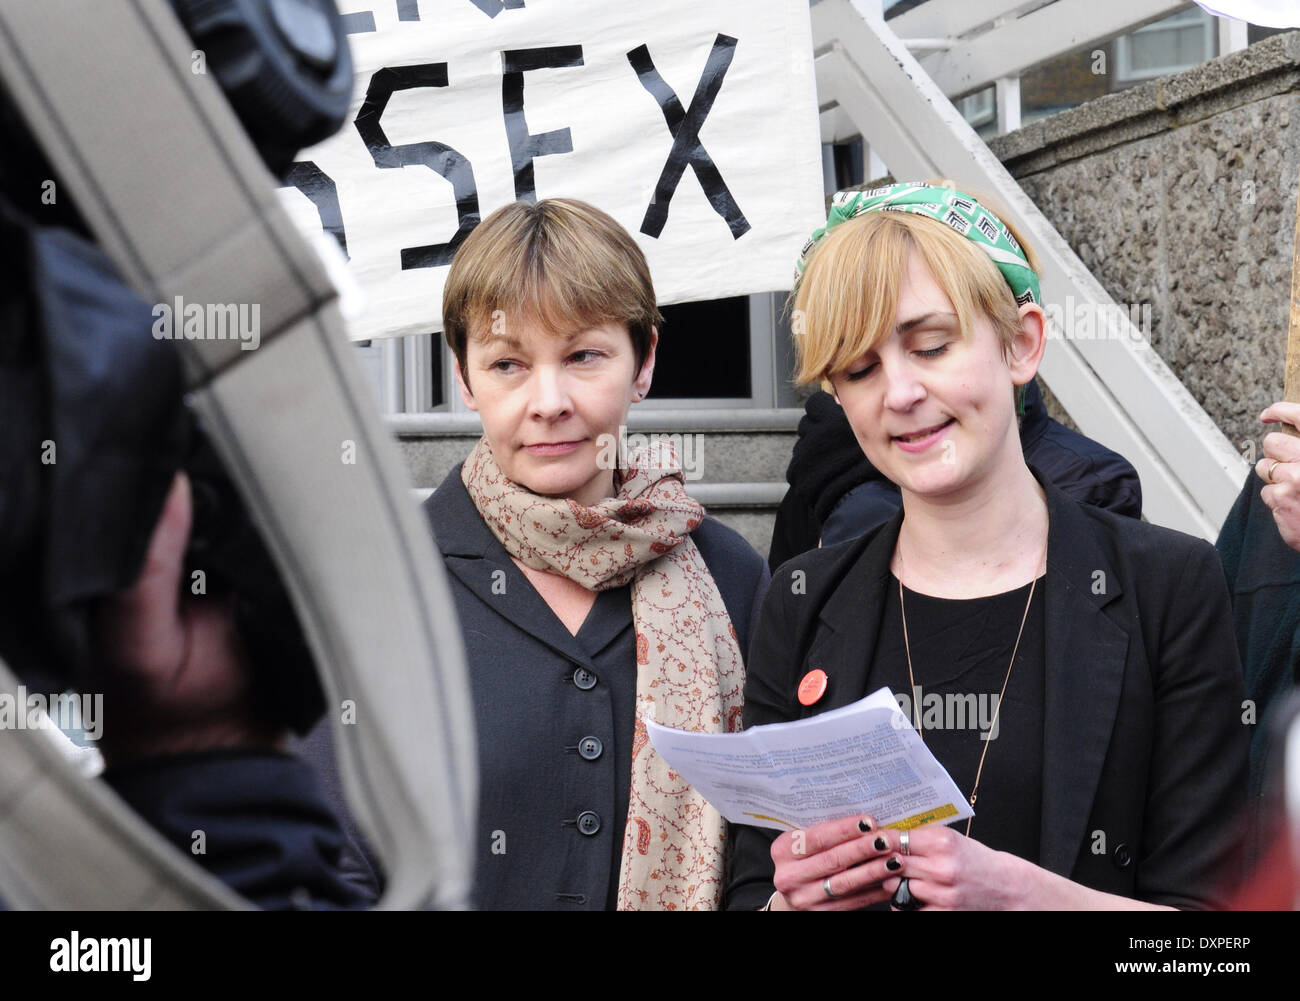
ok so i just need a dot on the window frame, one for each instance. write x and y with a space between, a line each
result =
1124 72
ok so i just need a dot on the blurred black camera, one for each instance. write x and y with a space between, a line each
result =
92 406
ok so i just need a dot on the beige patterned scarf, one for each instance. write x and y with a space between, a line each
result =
690 674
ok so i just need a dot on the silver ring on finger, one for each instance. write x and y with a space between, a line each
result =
905 843
826 885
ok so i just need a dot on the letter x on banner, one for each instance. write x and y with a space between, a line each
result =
692 122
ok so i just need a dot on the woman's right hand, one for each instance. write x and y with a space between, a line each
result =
853 854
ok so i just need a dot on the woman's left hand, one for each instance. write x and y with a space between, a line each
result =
947 871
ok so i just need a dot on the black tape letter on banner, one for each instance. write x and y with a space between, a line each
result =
439 158
324 194
685 129
494 7
409 10
524 146
359 23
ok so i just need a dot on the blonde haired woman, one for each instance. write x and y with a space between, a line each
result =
1102 645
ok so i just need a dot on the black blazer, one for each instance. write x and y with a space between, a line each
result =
1144 758
531 706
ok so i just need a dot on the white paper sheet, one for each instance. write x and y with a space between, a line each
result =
862 758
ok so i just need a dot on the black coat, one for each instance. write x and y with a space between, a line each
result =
531 711
539 692
1143 733
269 832
1264 578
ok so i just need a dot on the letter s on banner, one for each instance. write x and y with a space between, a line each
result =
438 157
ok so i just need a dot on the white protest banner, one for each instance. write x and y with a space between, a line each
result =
692 122
1269 13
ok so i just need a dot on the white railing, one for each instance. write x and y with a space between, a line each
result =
967 45
1115 387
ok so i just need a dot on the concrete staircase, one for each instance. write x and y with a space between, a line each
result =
736 468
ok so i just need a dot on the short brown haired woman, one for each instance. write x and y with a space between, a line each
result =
588 594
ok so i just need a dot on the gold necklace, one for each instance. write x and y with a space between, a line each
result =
911 680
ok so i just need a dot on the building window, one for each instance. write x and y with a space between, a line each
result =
1176 43
980 111
704 351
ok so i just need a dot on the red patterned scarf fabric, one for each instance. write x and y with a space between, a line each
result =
690 673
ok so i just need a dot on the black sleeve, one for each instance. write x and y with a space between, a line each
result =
795 530
1232 534
739 572
1124 488
860 510
255 819
1197 775
358 863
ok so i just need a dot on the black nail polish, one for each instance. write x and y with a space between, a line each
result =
881 844
864 826
893 865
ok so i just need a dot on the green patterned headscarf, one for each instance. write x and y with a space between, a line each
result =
955 209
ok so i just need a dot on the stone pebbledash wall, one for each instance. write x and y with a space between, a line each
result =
1181 193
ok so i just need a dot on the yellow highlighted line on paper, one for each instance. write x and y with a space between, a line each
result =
929 817
778 820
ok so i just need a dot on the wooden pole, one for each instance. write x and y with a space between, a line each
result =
1291 393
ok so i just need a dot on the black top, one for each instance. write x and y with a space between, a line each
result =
960 652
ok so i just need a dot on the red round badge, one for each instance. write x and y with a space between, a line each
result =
813 687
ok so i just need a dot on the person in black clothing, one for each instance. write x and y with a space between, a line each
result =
1259 543
836 494
1073 669
192 753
